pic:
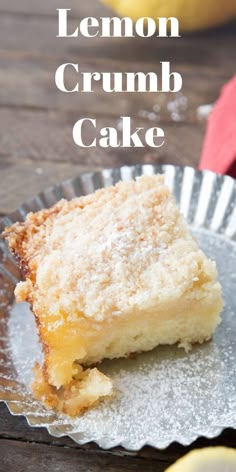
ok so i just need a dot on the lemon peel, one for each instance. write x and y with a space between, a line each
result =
192 14
211 459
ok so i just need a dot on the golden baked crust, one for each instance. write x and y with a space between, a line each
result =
109 274
86 388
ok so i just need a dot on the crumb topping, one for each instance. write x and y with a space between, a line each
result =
104 253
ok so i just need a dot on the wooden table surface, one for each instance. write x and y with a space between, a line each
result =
37 150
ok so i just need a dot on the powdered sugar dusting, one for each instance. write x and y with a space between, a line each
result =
115 251
163 395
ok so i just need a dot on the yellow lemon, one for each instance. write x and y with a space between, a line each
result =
192 14
211 459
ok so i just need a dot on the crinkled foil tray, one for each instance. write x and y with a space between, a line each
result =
162 396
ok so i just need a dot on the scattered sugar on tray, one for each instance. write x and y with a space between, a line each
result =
167 390
164 394
149 115
39 171
203 111
156 108
178 107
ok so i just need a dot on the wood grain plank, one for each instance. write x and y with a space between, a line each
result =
45 8
36 89
30 140
39 457
23 178
48 136
209 47
16 428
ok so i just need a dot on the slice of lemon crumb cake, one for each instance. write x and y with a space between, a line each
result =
110 274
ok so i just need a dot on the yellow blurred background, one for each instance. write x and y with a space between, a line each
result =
192 14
